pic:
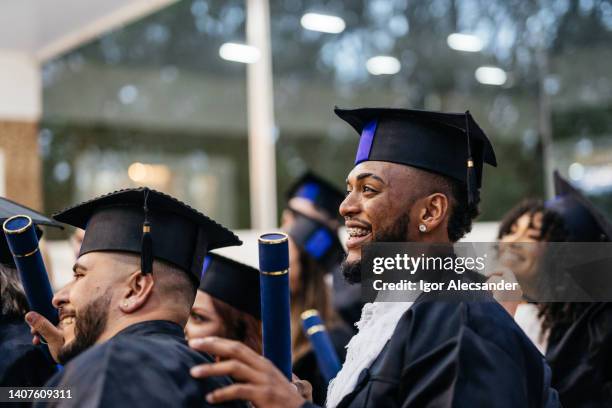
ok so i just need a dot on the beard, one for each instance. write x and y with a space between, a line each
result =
397 232
90 324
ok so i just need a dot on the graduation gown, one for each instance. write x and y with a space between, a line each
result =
347 299
145 365
22 364
307 368
454 354
580 356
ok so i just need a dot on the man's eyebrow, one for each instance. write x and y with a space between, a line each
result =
78 266
361 176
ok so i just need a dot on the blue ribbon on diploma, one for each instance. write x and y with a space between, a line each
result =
324 350
275 306
22 240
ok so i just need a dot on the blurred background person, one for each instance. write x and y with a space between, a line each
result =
21 363
579 349
227 303
314 250
520 232
316 198
575 337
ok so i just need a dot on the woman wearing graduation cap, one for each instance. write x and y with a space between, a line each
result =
227 303
314 197
314 251
579 348
575 336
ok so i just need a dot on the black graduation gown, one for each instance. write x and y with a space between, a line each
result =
455 354
347 299
307 368
22 364
145 365
580 357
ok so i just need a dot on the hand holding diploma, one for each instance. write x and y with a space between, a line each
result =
257 379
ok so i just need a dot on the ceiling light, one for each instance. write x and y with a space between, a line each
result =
323 23
243 53
491 76
464 42
383 65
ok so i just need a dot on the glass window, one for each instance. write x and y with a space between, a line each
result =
152 104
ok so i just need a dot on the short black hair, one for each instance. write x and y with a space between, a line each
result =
461 214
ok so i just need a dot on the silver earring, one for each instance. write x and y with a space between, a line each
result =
422 227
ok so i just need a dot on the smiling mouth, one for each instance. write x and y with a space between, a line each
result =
357 236
67 321
512 256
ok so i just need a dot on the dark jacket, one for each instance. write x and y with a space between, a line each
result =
22 364
455 354
580 357
145 365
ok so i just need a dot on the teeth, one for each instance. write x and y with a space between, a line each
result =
67 320
357 232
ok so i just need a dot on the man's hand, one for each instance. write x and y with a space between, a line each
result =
41 327
304 387
257 379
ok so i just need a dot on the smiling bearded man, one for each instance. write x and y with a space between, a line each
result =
122 316
416 178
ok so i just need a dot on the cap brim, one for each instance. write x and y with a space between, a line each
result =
10 208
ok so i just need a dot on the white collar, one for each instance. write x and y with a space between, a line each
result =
376 326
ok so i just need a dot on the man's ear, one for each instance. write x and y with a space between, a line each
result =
139 289
433 211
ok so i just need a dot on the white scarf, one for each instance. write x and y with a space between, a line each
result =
377 324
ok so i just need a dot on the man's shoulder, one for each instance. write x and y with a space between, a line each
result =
484 322
138 371
471 314
135 352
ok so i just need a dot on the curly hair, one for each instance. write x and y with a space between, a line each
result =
462 214
553 314
552 229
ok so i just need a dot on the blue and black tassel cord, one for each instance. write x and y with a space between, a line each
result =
471 179
146 254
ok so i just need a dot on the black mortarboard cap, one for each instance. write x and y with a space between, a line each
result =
317 240
9 209
450 144
584 222
150 223
232 282
320 192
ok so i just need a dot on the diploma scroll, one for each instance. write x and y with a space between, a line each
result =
22 240
324 350
275 306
